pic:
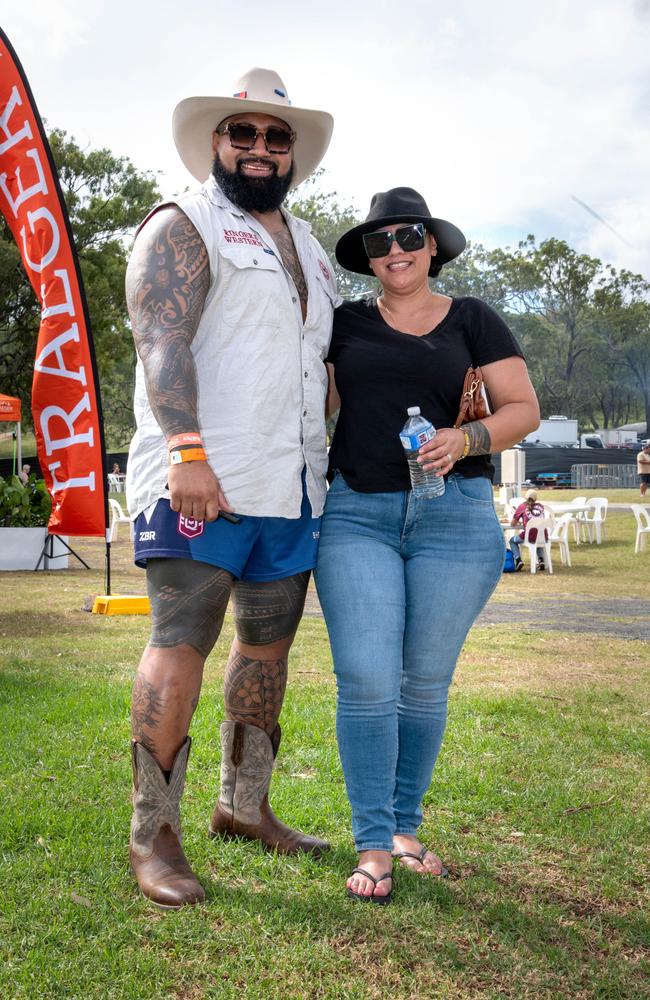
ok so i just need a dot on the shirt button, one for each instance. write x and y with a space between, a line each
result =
293 298
306 374
254 261
304 413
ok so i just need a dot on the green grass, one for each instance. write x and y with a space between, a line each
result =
539 808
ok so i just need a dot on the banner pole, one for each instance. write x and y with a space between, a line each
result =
108 568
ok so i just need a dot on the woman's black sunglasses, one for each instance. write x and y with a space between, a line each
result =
408 238
242 136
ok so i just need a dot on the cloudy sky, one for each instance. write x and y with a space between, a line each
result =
498 113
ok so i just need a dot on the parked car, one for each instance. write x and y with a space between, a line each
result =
552 480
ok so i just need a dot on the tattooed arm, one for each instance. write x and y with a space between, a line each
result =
516 413
166 285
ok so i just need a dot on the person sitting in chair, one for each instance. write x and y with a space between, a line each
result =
531 507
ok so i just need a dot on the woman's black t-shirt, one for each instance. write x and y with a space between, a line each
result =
380 372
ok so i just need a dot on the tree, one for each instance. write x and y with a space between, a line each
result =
550 294
329 220
623 306
476 272
106 197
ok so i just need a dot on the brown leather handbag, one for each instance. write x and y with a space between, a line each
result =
473 405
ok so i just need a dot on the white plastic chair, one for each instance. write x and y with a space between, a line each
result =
544 528
560 535
511 505
592 521
642 526
118 516
577 502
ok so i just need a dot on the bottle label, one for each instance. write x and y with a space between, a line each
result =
412 442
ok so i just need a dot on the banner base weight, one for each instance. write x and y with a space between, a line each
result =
121 604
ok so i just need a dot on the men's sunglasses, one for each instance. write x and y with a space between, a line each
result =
276 140
407 237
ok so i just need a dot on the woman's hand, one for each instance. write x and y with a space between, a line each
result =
443 451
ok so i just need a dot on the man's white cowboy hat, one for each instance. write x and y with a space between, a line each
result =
259 90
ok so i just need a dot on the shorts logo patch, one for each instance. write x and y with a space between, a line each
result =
147 536
189 526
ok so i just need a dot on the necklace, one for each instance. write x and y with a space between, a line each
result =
431 323
395 322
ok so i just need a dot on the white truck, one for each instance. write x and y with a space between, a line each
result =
555 431
610 438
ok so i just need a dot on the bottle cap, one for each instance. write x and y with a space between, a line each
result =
413 411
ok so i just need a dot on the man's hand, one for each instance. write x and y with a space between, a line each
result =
196 492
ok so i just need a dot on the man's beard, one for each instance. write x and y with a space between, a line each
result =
253 194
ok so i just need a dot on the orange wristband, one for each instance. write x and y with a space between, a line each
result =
192 437
187 455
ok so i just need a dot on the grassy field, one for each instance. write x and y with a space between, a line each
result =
539 807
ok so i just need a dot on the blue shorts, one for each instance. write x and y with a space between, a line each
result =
258 548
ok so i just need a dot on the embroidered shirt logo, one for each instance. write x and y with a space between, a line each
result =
189 527
325 270
242 236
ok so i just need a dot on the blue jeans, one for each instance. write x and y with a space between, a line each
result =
400 582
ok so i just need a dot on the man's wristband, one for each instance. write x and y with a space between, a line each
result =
187 455
190 437
467 445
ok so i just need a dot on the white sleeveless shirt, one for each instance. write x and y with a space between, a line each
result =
260 370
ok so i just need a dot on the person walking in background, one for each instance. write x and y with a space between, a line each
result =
401 579
643 468
531 507
231 303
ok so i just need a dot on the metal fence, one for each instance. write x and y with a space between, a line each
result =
605 476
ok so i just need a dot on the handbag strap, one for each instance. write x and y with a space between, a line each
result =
471 388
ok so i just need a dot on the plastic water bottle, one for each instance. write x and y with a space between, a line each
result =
417 431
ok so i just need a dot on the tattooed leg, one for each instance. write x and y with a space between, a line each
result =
188 602
165 695
266 617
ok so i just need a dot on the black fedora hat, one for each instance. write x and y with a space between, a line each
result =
400 204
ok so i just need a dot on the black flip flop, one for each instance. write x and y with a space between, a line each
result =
444 872
379 900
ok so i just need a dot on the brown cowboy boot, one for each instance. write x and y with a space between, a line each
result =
157 858
243 810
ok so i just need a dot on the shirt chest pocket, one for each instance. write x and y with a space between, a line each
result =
251 287
321 314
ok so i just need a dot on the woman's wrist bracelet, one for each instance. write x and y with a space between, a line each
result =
467 445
